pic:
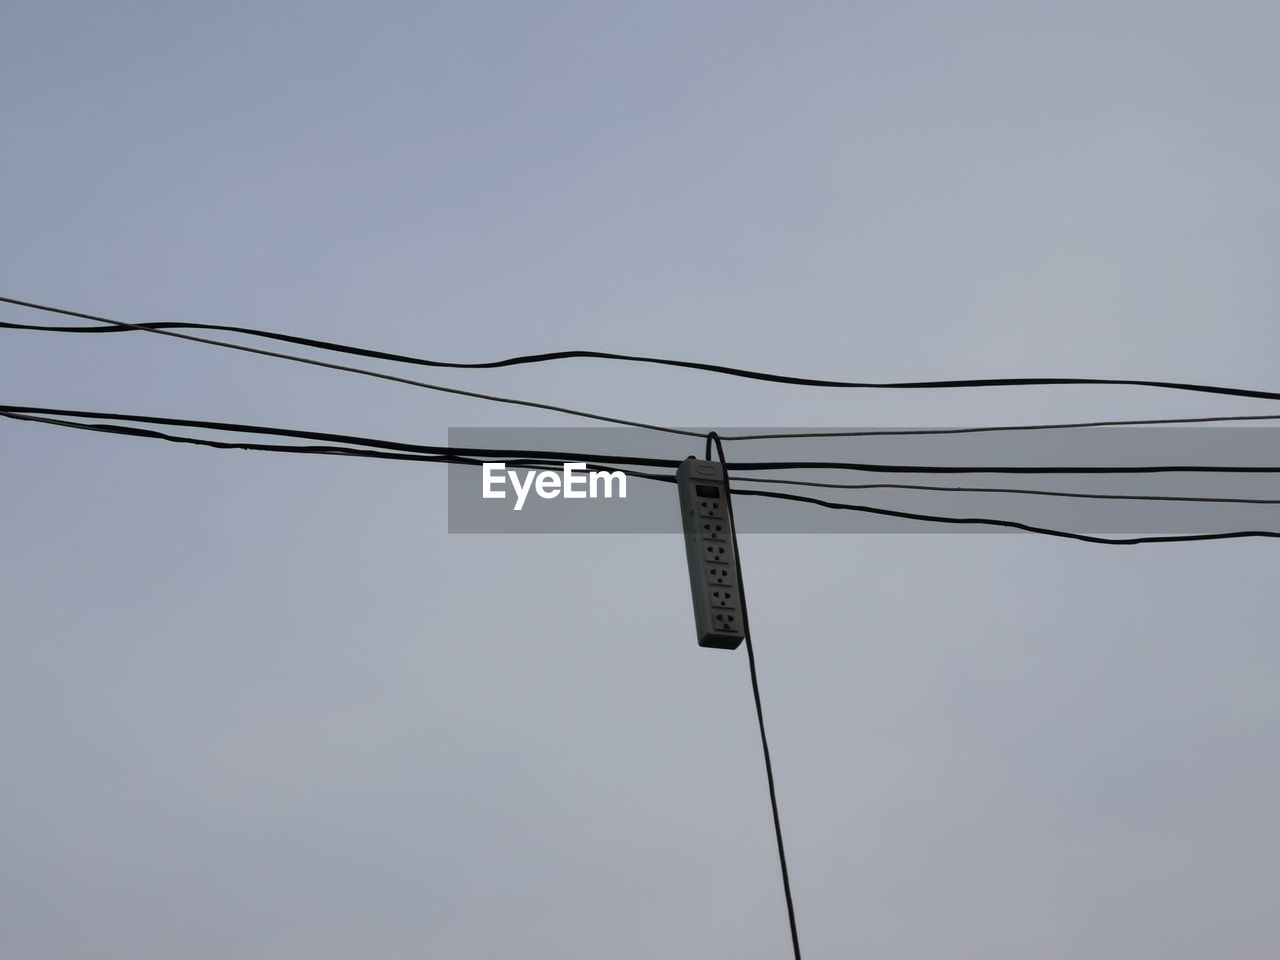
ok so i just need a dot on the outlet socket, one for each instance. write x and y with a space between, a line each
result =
713 567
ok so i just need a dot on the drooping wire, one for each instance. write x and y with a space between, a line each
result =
1010 524
546 458
1075 495
162 329
713 438
1003 428
168 327
392 450
329 438
122 327
659 462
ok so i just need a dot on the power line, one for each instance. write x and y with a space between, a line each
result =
118 326
1006 490
391 450
949 431
340 445
331 438
168 328
546 460
1012 524
361 371
419 452
755 693
662 462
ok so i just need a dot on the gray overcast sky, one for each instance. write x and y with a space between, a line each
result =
261 707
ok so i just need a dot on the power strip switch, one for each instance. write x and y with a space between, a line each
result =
713 563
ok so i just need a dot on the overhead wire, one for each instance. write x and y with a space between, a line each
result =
1002 428
755 693
362 371
545 459
170 327
340 445
664 462
392 450
1007 490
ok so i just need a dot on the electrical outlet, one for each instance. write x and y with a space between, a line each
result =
720 575
724 597
711 509
709 549
714 529
726 622
715 552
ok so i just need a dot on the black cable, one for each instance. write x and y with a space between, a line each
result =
755 693
545 460
390 450
1010 524
292 358
1004 428
121 327
169 326
331 438
1146 497
658 462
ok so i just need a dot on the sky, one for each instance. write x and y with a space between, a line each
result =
268 707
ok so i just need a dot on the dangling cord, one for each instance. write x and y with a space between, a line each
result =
713 437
